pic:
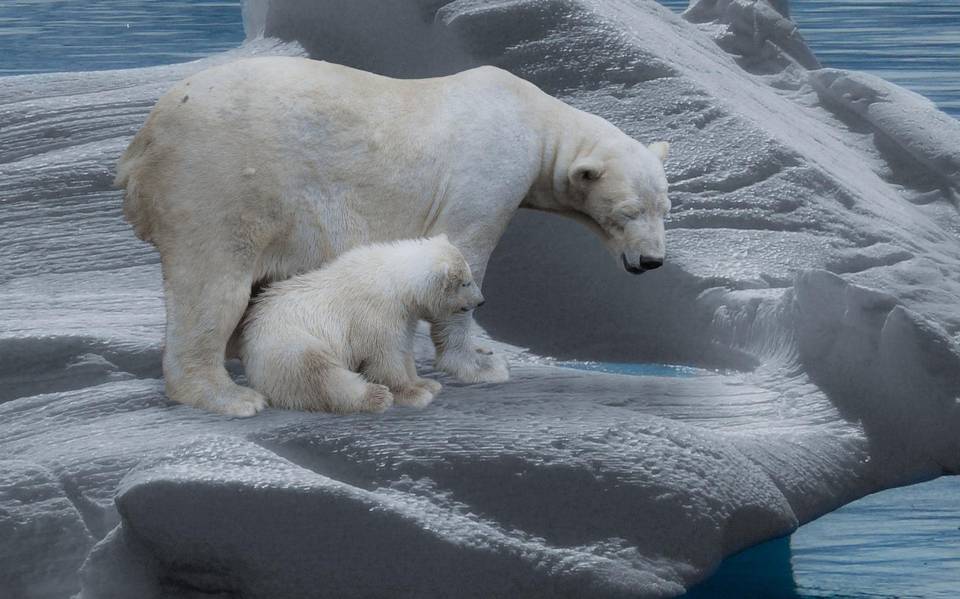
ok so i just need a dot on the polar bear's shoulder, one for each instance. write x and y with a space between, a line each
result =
489 75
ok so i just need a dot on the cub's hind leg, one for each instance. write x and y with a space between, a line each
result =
391 369
334 388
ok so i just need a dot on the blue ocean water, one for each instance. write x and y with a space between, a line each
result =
41 36
899 543
914 43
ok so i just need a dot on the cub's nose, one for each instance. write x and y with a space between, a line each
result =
482 302
650 263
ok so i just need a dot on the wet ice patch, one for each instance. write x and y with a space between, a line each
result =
667 370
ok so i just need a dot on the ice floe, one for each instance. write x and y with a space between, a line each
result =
813 272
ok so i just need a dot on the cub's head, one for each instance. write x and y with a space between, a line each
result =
452 287
619 190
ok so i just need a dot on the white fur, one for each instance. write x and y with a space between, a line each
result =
264 168
340 338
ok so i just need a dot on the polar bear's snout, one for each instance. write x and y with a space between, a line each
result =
642 265
651 263
641 244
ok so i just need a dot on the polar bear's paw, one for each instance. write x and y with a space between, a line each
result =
414 397
377 398
241 402
475 367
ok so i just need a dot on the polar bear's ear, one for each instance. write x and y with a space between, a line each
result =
585 170
660 149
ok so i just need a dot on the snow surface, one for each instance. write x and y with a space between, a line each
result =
813 262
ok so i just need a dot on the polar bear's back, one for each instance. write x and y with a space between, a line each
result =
277 99
254 134
282 97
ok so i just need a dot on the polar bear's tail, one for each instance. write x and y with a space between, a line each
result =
136 205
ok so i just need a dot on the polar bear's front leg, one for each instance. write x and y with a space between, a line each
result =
459 354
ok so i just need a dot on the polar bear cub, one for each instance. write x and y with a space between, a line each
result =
340 338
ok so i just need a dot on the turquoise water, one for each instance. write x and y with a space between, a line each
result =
671 370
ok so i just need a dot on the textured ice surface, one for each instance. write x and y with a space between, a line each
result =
813 262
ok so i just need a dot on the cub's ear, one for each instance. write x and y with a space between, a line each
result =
660 150
441 237
442 269
585 171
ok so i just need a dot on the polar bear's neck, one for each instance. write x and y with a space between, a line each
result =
567 135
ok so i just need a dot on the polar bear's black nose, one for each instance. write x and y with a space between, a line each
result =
630 267
644 265
650 263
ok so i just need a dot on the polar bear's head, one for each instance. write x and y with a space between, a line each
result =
619 189
451 287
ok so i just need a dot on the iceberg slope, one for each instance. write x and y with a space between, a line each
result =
813 255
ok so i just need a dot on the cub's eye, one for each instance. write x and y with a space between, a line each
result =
466 284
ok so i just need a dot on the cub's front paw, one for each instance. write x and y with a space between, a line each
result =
414 397
429 384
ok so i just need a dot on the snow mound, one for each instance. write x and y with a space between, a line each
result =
759 31
813 262
908 119
331 532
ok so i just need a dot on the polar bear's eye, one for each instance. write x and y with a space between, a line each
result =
465 284
626 212
631 210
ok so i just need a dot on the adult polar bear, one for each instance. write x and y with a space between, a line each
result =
268 167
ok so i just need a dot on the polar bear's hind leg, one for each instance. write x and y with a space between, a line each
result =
203 308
